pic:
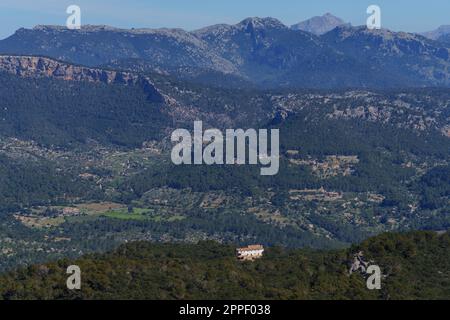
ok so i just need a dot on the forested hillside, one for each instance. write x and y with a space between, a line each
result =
74 113
414 266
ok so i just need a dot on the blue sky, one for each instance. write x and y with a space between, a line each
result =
404 15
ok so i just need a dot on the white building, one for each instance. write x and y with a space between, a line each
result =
250 253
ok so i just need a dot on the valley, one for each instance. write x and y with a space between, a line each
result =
357 182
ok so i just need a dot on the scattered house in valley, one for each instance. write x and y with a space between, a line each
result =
69 211
250 253
330 166
87 176
315 195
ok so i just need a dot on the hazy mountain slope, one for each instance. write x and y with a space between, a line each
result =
439 32
399 59
445 39
271 54
194 75
319 25
96 45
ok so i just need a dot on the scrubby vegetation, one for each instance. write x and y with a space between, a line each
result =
414 266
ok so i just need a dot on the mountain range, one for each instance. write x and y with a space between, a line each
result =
262 52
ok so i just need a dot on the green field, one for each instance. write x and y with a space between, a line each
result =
141 214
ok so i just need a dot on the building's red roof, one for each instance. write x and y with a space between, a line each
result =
251 248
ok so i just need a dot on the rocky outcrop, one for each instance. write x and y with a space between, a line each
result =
446 131
359 264
33 67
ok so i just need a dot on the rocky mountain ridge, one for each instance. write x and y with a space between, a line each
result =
260 51
33 66
182 103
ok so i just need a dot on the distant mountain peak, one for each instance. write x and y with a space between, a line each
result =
320 25
247 25
257 22
439 32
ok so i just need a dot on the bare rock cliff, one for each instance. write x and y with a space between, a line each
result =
35 67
